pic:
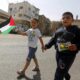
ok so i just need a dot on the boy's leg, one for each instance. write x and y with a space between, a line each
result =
63 66
59 74
22 72
69 63
36 62
67 76
62 71
26 65
28 60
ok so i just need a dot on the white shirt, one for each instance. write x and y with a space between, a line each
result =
33 35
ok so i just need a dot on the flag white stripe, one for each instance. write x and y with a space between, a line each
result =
5 28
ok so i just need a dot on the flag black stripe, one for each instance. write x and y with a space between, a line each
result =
5 23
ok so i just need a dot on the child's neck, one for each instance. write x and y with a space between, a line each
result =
34 27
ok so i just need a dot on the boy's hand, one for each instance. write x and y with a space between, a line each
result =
72 47
16 30
43 48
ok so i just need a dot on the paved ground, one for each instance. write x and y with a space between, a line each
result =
13 52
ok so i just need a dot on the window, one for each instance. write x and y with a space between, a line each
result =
27 16
21 7
36 14
10 9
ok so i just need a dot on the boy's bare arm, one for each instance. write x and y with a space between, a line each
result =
42 44
21 33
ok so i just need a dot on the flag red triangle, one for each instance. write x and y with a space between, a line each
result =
12 23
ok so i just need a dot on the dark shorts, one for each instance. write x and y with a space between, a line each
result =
31 54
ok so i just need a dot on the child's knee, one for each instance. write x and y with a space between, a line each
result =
28 59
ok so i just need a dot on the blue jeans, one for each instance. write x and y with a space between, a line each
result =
31 54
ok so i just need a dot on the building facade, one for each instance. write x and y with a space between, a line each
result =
23 11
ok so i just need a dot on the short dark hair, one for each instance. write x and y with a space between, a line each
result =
68 13
35 20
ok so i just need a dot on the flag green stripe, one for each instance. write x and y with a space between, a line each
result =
8 30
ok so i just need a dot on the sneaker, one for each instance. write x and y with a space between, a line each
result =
21 73
36 69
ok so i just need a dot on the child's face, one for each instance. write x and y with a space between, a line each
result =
34 23
67 20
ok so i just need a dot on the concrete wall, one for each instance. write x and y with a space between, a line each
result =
3 15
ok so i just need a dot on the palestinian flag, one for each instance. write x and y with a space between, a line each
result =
7 26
